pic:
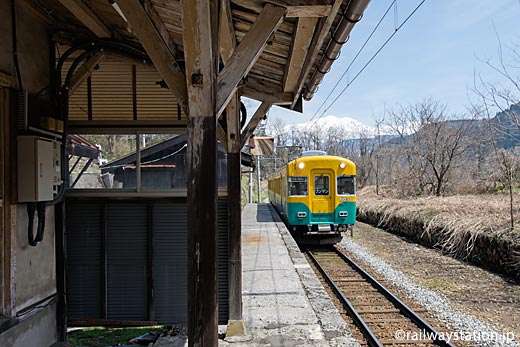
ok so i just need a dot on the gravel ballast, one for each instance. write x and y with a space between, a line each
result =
463 324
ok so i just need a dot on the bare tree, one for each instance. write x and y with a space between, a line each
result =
508 162
405 125
502 98
431 141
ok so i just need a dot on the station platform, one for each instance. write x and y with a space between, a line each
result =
284 303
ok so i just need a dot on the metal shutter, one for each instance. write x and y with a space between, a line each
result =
85 258
127 250
223 302
170 263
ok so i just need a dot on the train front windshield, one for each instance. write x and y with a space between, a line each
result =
346 185
297 185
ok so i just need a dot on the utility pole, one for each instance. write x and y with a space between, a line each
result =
378 123
258 177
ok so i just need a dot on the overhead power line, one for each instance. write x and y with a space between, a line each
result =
367 64
353 61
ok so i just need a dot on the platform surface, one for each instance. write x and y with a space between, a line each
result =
276 281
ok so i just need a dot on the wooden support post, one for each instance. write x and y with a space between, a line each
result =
235 324
8 233
253 122
200 25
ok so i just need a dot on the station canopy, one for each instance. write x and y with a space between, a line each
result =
301 41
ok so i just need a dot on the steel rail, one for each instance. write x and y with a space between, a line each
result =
356 317
405 309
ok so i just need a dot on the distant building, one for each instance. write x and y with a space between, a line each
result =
163 165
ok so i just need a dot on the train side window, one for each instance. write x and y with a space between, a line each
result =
297 185
321 185
346 185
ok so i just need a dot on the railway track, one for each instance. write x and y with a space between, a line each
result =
382 318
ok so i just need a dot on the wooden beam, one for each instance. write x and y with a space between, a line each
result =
295 8
200 32
150 31
302 38
317 42
39 11
228 40
275 98
160 26
84 71
253 122
247 53
314 11
85 15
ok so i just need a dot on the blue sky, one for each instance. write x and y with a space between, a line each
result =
435 54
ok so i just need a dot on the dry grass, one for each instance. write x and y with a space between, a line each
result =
454 222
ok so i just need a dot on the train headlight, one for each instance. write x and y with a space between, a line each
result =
301 165
342 165
302 214
343 214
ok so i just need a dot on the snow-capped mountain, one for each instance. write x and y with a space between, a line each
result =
347 124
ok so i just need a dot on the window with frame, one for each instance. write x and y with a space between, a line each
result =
346 185
297 185
321 185
132 162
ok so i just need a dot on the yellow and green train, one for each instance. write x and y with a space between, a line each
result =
315 195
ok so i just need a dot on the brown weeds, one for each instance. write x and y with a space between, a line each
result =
453 224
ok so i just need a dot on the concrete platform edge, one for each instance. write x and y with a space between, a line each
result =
335 330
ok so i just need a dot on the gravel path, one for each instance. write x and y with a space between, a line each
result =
467 326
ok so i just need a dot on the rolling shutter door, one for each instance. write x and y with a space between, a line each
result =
85 260
170 263
223 303
127 259
127 250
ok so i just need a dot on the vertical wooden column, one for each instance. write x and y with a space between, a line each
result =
235 325
201 57
7 243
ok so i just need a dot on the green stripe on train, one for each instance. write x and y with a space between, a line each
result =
320 218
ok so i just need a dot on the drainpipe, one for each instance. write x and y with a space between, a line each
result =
351 16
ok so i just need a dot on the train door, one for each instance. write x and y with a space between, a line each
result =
322 194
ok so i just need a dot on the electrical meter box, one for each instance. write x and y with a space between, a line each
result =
36 169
